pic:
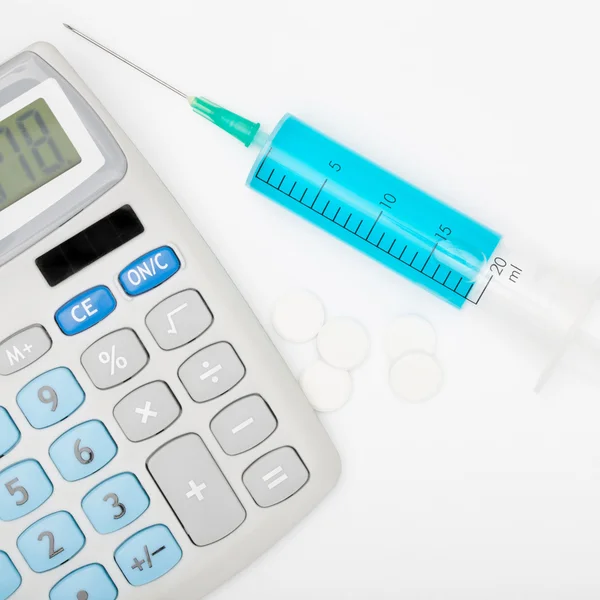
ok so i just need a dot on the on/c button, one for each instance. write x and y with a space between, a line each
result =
85 310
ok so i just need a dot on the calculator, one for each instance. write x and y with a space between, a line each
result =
150 433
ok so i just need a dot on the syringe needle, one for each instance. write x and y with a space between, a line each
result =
243 129
126 61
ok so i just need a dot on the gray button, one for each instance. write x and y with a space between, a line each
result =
115 358
196 489
275 477
147 411
179 319
243 425
212 372
23 348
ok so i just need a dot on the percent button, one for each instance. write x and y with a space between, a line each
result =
114 359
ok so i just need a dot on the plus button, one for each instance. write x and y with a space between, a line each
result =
196 490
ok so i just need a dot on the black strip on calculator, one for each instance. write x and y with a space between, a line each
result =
89 245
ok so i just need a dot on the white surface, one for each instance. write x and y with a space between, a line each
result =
343 343
298 316
42 198
407 333
326 387
416 377
489 491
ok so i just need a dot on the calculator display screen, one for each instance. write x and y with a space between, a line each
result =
34 149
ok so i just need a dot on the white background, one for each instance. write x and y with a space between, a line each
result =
487 491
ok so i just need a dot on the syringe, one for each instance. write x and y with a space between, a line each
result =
460 260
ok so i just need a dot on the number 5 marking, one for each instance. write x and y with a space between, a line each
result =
116 504
17 489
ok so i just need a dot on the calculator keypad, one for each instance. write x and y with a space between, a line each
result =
83 450
211 372
183 469
179 319
115 503
147 411
114 359
23 349
243 425
10 578
197 491
51 542
9 433
23 488
91 582
148 555
50 398
275 477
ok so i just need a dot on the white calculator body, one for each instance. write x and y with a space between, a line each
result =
150 433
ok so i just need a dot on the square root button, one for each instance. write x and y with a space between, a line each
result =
179 319
211 372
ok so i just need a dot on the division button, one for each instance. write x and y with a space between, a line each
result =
197 491
179 319
275 477
147 411
211 372
23 348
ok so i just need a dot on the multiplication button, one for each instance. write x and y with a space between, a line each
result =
147 411
211 372
114 359
197 491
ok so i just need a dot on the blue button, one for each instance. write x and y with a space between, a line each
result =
148 555
89 583
86 310
10 580
149 271
51 542
23 488
50 398
9 433
115 503
83 450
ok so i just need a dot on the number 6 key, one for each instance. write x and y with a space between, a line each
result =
83 450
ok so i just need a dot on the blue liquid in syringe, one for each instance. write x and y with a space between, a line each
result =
375 211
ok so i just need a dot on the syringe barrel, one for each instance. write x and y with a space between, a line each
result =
375 211
425 240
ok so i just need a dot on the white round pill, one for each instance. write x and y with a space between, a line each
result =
298 316
326 387
343 343
416 377
410 333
